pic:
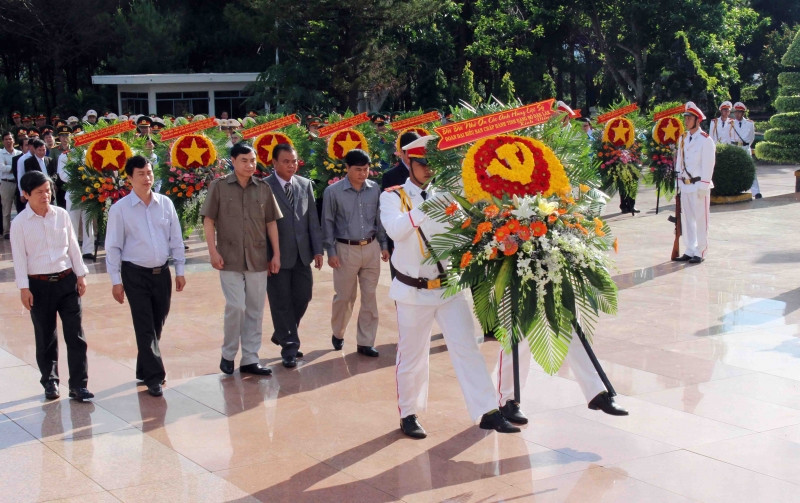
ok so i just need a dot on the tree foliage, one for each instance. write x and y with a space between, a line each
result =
320 55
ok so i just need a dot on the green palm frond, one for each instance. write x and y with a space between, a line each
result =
547 349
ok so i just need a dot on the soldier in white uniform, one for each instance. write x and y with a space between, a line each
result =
743 133
418 294
720 128
695 158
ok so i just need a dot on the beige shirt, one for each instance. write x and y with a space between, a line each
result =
240 217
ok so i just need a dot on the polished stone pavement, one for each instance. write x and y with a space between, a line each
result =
706 358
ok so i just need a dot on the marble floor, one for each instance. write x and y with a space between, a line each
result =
706 358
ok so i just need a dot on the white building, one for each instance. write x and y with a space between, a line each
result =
180 93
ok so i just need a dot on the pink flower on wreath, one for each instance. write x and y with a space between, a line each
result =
171 180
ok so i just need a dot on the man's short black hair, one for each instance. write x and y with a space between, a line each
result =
356 157
407 138
31 180
6 133
137 161
37 143
281 147
239 149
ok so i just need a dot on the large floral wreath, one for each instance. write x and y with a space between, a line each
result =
618 157
660 154
529 246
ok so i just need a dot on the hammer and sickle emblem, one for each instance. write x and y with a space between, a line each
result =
521 171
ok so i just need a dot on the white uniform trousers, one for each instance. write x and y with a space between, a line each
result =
577 358
78 217
694 223
754 189
413 359
245 294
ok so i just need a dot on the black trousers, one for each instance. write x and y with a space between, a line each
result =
289 293
149 297
51 298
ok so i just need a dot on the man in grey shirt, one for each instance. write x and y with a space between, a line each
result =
355 241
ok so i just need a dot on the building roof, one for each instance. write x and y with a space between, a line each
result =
174 78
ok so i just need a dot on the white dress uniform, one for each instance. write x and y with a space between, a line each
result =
76 215
696 155
577 358
743 132
721 130
417 308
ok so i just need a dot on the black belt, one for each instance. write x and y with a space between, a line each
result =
362 242
52 278
151 270
421 283
6 180
690 181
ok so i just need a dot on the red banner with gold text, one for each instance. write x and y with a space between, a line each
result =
415 121
344 124
192 127
471 130
270 126
670 111
122 127
617 113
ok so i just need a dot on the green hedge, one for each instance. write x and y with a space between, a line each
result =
782 136
761 125
787 103
789 121
778 153
734 171
789 79
792 56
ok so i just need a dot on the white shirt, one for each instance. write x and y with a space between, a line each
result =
408 255
5 163
144 235
21 168
721 130
44 245
743 131
61 167
695 157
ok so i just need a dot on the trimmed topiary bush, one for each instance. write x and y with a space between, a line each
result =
734 171
782 142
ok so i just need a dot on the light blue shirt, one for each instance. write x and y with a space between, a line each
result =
144 235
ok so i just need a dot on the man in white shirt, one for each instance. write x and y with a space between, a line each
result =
143 233
51 277
743 132
720 128
7 185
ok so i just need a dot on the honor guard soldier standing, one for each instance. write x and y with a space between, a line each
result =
695 158
720 128
743 132
419 296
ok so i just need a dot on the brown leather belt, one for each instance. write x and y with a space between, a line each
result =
150 270
56 276
362 242
420 283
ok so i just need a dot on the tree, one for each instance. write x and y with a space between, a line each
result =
782 141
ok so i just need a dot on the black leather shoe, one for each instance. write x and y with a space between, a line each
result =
367 351
226 366
155 389
88 256
682 258
337 343
275 341
635 211
255 368
411 427
696 260
759 196
81 394
494 420
606 403
289 362
51 390
511 412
